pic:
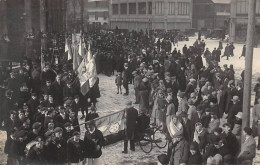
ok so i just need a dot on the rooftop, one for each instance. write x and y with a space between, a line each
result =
222 1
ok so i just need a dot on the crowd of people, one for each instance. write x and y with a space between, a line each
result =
180 95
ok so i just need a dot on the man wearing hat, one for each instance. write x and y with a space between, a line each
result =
230 139
191 86
94 141
48 88
230 92
235 108
36 131
237 126
75 150
195 157
131 116
183 103
92 114
170 109
68 90
47 74
126 78
77 107
68 131
8 104
19 144
58 90
248 148
144 95
57 149
137 81
214 123
180 154
36 154
12 83
188 131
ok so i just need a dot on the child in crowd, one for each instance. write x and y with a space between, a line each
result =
118 82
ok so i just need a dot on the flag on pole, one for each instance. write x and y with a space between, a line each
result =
68 49
112 126
80 47
76 58
91 67
87 73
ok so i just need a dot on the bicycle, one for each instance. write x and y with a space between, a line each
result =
152 135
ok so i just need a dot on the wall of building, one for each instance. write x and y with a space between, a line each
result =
98 12
203 14
148 14
239 18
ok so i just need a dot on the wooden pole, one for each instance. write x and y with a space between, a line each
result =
82 14
248 65
43 27
28 26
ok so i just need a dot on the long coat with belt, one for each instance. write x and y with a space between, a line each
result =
180 153
248 151
131 115
144 97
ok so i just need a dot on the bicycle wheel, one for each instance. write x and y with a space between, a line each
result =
159 138
146 143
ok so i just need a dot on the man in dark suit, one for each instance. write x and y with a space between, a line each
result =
76 107
126 78
230 139
248 148
33 103
58 90
235 108
8 104
188 129
48 89
131 115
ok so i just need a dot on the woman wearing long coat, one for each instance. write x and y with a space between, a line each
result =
144 96
159 107
220 45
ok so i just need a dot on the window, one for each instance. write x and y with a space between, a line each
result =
105 15
142 8
257 8
183 8
123 9
96 16
150 8
159 8
242 6
171 10
115 9
101 4
132 8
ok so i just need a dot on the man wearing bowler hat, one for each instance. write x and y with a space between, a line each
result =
235 108
131 116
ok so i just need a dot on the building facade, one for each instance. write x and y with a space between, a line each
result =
150 14
98 12
203 14
222 13
211 14
239 19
